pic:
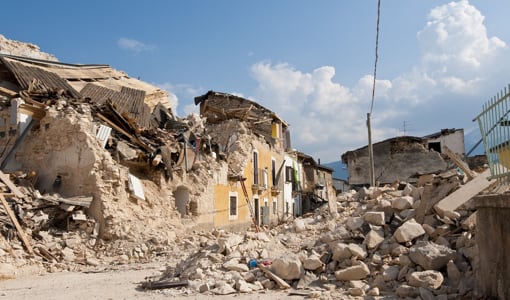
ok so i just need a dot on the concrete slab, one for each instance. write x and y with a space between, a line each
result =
464 193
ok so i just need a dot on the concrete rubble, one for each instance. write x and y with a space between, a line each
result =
381 242
370 248
354 253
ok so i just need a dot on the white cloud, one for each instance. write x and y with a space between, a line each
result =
177 91
322 113
134 45
456 48
328 118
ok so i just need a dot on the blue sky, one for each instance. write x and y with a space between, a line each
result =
309 61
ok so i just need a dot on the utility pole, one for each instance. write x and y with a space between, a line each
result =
371 169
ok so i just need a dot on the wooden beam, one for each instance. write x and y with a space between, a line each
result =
458 161
281 283
133 138
14 189
14 220
8 92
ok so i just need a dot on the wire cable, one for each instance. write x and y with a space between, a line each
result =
376 53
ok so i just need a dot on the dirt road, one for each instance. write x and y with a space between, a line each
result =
109 284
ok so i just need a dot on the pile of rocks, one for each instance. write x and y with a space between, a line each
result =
374 246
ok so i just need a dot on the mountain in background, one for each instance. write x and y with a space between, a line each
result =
470 140
340 169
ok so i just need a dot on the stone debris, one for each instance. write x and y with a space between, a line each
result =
368 248
388 241
353 253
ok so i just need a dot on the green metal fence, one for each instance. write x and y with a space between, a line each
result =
494 126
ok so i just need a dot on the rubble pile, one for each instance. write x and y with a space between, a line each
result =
13 47
373 247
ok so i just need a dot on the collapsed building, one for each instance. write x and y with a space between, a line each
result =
110 147
405 157
89 148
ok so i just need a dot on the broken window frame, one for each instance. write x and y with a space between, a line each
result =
289 174
233 208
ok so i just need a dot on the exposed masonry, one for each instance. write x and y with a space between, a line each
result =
95 181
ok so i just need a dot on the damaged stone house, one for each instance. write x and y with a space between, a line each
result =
279 182
253 141
405 157
395 159
315 184
93 131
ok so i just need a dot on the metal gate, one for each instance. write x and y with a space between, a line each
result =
495 129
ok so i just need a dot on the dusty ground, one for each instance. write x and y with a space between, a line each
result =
122 283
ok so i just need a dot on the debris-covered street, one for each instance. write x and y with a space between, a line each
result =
107 194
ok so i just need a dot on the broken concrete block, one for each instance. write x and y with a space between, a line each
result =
374 238
356 292
68 254
408 231
339 233
243 286
373 292
226 244
288 267
402 203
299 225
354 223
313 262
406 291
398 249
268 284
355 272
375 217
223 289
357 250
340 251
391 273
431 256
427 279
306 280
234 265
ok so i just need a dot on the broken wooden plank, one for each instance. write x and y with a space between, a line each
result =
8 92
133 138
14 220
281 283
84 201
5 178
464 193
78 201
458 161
163 284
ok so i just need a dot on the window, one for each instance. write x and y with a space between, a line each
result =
232 212
275 206
255 168
273 172
289 174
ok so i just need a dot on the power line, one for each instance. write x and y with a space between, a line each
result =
376 54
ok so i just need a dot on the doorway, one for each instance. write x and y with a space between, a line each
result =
181 195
